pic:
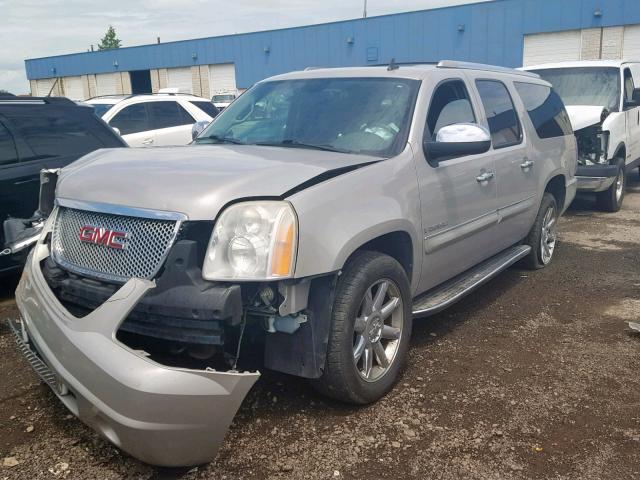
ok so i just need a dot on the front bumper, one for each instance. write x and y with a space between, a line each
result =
596 178
161 415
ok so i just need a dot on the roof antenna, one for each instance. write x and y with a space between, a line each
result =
393 65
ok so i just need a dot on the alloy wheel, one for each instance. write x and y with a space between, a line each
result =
549 235
619 186
378 330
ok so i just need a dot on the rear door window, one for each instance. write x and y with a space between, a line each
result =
8 154
545 109
131 119
504 124
168 114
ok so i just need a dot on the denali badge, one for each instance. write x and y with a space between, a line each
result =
103 236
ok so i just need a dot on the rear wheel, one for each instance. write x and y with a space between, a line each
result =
543 236
611 200
371 328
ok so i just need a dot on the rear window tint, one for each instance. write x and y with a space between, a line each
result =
57 132
208 108
8 152
545 109
504 124
131 119
167 114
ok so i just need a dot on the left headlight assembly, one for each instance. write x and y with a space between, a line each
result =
253 241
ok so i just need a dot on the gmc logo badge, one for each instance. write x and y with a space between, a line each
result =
104 236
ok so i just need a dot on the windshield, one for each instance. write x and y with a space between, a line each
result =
223 98
101 108
352 115
586 86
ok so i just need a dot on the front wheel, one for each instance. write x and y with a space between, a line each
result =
371 329
543 237
611 199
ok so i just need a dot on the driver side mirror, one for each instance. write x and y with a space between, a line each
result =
197 128
458 140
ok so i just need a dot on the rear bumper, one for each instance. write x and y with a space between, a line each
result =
161 415
596 178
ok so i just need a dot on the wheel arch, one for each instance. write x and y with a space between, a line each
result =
393 239
556 186
397 244
620 152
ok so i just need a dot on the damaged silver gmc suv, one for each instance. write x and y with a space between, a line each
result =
302 232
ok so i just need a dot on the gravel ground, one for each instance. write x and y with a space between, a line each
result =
536 375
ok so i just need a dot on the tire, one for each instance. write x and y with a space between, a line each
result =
611 200
539 257
345 374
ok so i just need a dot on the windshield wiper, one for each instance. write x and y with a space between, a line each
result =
297 144
219 139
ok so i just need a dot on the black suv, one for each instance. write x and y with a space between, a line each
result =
36 134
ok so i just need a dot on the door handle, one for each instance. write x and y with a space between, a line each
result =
526 165
485 177
147 141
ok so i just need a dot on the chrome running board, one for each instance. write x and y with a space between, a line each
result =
41 368
441 297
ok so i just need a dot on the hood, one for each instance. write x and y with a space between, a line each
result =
197 180
583 116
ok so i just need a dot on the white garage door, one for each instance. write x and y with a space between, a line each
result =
108 84
631 49
222 78
43 87
72 88
180 78
552 47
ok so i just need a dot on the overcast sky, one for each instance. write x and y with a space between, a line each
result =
39 28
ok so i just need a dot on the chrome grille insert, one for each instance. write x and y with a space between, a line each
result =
148 244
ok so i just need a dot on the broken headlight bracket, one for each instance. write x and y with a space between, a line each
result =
593 145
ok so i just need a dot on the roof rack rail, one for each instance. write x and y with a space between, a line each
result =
401 64
16 100
113 95
485 68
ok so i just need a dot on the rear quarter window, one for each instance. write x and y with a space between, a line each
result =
52 132
545 109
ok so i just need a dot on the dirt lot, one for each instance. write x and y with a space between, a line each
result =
534 376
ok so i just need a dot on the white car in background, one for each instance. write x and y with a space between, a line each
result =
603 103
158 119
223 99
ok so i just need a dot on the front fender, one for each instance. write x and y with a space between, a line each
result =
338 216
618 151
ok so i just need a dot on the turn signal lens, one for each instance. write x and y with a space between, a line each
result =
283 249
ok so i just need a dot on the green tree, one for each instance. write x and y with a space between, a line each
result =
110 40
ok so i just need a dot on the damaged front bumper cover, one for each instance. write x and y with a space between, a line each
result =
161 415
596 178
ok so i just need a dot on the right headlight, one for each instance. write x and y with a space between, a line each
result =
253 241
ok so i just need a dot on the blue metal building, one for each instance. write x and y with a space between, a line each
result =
501 32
